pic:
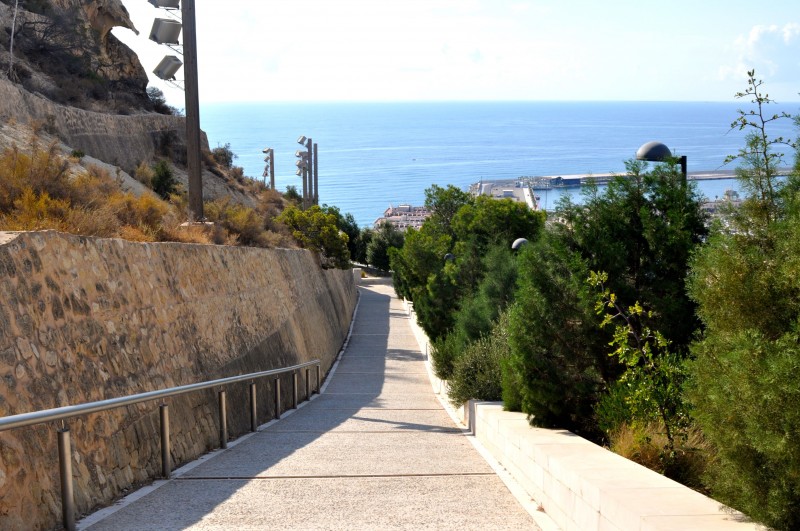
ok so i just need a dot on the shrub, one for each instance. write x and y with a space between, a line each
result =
144 174
224 156
237 219
477 373
164 182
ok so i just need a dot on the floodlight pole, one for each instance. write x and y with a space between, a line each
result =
272 169
308 192
192 111
315 190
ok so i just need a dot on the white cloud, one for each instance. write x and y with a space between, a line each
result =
773 51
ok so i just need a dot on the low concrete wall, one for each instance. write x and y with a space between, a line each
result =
85 319
580 485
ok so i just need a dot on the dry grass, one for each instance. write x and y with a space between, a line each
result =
37 192
646 445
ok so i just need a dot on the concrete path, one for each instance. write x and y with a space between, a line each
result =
375 451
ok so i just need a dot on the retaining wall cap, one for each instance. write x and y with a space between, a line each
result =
7 237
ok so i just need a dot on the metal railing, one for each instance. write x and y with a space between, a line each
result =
67 412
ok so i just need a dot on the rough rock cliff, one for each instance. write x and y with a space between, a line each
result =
63 50
76 82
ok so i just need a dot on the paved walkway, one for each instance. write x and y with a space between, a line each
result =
376 450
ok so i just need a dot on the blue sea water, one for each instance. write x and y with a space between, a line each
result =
372 155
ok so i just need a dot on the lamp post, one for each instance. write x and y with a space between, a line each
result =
658 152
269 169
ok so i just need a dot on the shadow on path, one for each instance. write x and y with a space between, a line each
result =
375 450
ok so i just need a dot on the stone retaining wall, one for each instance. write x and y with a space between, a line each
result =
124 141
85 319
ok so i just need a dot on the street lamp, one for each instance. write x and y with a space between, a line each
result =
518 243
269 169
658 152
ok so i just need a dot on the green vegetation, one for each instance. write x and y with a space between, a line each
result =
317 230
632 322
745 382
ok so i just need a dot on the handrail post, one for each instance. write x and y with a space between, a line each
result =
165 460
277 398
65 469
308 384
253 410
294 389
223 420
319 378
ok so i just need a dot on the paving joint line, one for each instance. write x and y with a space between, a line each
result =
337 476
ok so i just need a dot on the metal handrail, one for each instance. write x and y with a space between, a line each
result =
66 412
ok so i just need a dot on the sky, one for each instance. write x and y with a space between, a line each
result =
495 50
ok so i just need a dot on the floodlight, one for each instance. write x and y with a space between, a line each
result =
266 150
167 67
169 4
165 31
302 140
301 164
298 172
301 154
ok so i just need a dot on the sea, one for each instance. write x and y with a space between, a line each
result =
375 155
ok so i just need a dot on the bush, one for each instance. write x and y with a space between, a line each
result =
224 156
477 372
164 182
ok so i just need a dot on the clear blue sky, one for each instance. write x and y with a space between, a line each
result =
397 50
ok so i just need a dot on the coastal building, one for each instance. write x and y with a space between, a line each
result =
403 217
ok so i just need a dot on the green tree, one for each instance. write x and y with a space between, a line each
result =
478 311
642 231
317 230
744 381
443 204
558 365
385 238
359 252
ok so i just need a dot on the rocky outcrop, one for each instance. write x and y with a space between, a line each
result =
59 43
84 319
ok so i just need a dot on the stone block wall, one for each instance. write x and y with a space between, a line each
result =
124 141
85 319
